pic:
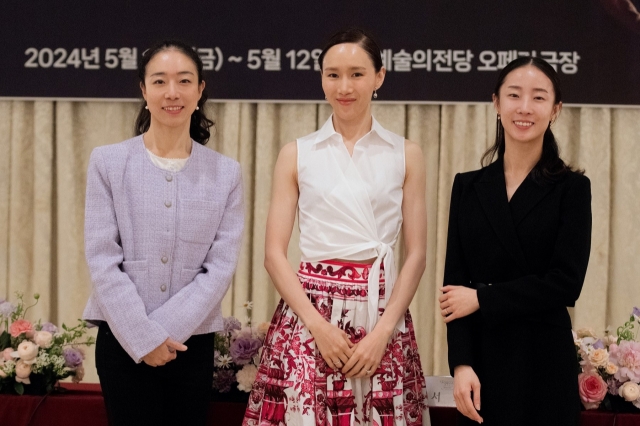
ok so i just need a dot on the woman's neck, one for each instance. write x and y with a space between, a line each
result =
353 130
168 142
520 158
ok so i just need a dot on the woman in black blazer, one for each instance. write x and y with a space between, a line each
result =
517 253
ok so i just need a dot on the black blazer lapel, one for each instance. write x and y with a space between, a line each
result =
526 197
492 193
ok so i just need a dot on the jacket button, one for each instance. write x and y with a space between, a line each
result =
167 203
164 259
163 288
169 178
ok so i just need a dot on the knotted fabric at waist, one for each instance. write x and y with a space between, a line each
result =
371 274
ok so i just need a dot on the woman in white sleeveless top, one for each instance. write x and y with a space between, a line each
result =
341 348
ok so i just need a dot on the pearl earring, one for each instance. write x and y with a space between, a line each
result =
197 108
146 107
375 93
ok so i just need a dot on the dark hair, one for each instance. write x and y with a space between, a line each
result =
550 167
357 36
200 124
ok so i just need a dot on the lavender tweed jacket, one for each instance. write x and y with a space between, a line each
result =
161 246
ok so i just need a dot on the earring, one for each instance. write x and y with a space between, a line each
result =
146 107
197 108
375 93
498 128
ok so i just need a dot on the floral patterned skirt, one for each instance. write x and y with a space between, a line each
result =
295 386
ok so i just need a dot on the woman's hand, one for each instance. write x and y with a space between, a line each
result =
164 353
457 302
367 355
332 343
466 383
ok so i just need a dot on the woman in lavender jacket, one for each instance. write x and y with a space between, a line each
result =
163 225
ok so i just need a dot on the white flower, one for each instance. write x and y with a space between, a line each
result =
599 358
630 391
44 339
611 368
41 362
23 370
27 352
248 305
246 377
9 367
223 361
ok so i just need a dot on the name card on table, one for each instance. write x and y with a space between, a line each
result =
440 391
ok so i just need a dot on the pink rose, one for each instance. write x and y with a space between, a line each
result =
592 390
20 326
6 354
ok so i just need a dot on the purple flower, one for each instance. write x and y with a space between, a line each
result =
243 349
223 379
613 385
598 344
72 357
51 328
636 313
6 309
231 324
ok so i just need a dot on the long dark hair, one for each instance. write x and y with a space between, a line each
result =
550 167
356 36
200 123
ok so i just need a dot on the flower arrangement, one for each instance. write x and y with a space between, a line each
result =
609 365
36 354
237 353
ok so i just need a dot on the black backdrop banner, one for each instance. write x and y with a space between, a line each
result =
435 51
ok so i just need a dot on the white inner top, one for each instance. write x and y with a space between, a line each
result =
350 207
170 164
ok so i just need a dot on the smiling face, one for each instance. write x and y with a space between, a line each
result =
171 88
526 104
349 79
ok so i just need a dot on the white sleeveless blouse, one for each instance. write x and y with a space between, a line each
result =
350 207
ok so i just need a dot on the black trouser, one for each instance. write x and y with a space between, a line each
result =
175 394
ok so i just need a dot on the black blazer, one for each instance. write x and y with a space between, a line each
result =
527 258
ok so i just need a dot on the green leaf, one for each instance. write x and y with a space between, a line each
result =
19 388
5 340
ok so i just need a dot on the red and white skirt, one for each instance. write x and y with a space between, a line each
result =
295 386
